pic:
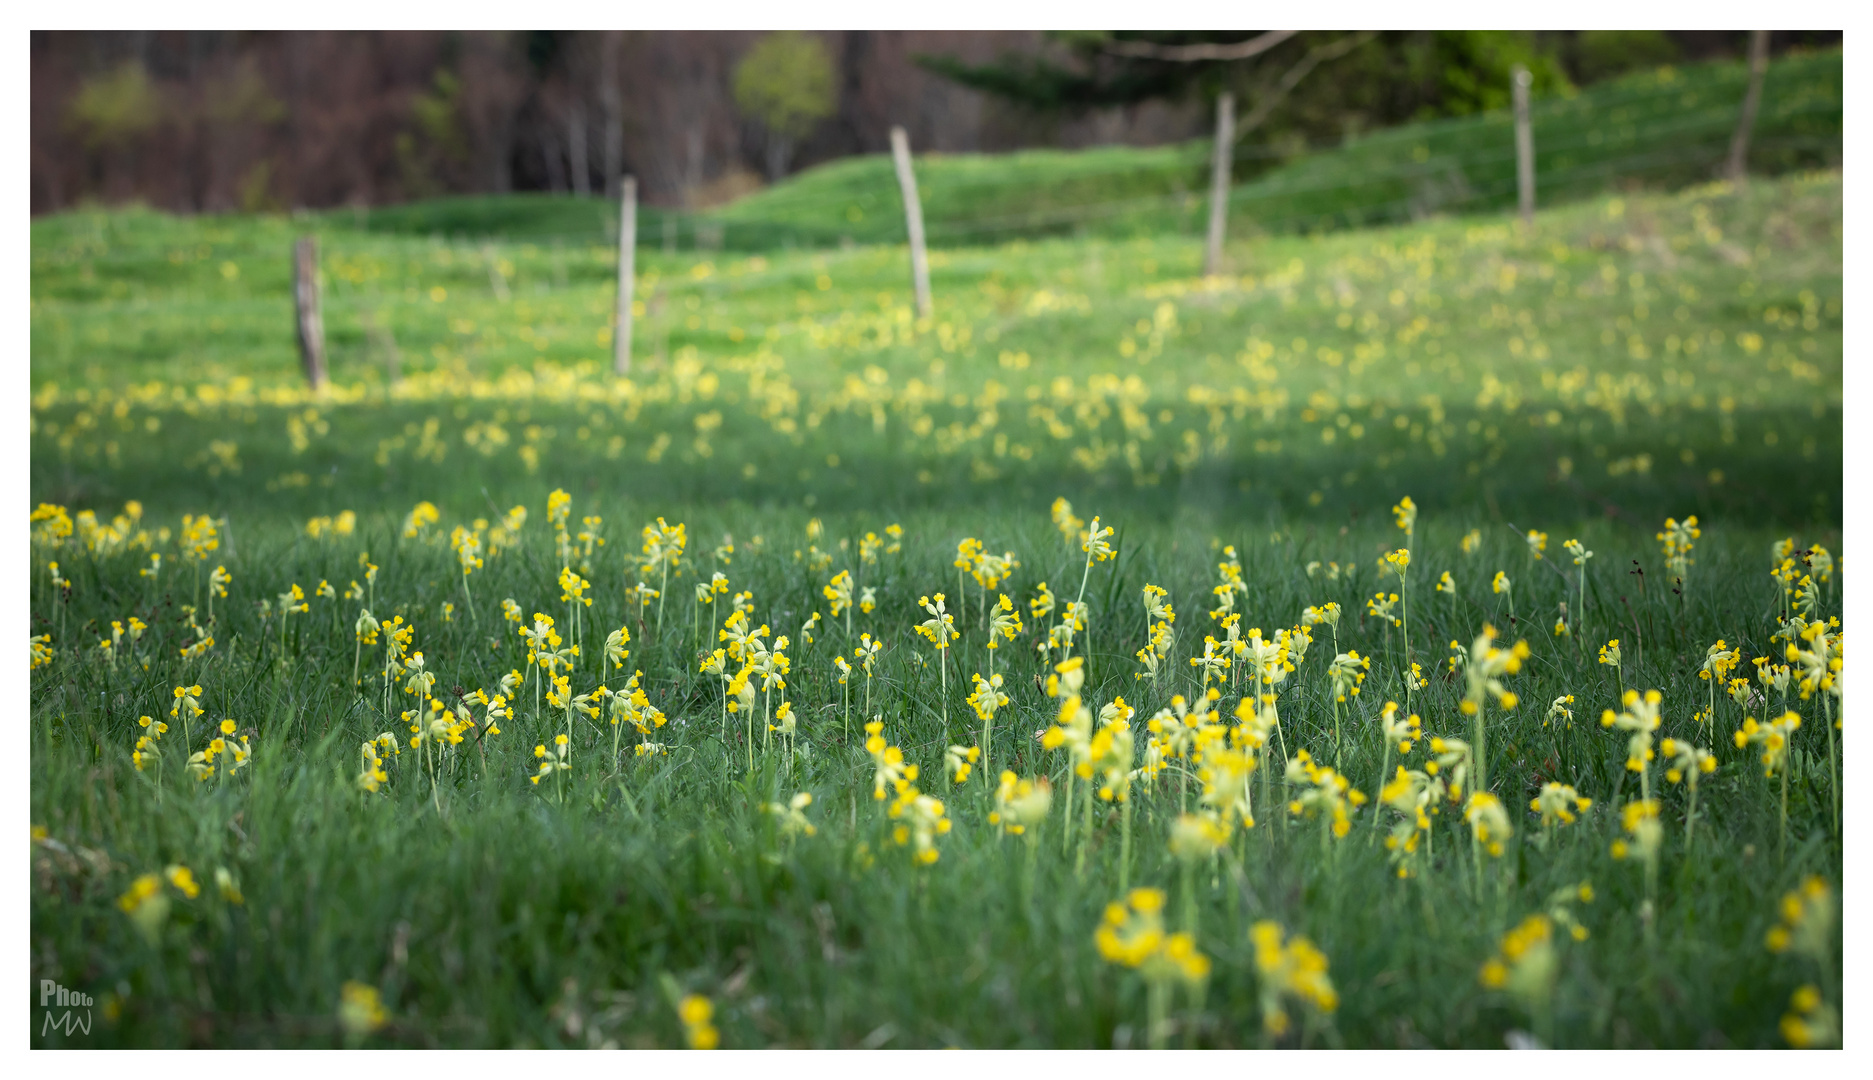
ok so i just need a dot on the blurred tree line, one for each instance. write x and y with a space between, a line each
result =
235 120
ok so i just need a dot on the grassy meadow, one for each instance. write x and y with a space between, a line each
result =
374 855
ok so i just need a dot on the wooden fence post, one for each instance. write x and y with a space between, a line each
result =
627 276
913 220
1736 169
1520 81
1220 156
311 325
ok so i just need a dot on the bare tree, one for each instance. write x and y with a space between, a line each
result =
1736 169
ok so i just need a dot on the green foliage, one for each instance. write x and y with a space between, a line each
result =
1600 54
785 83
116 106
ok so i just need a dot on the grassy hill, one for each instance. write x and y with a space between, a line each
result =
1656 129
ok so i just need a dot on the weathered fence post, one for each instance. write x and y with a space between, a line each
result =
913 220
1736 169
1220 156
1524 145
306 306
627 275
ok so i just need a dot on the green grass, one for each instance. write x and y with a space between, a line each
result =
1505 380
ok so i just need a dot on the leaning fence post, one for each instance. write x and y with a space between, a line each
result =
1219 182
306 307
1524 145
1736 170
627 275
913 220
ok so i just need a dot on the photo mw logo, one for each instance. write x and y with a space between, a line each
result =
65 1010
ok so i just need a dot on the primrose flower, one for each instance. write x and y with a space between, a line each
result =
1558 803
1772 735
1807 922
940 628
1021 803
360 1010
792 815
1292 971
1525 965
696 1012
1488 820
1641 718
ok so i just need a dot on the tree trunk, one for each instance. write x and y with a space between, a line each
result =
575 144
306 304
1736 169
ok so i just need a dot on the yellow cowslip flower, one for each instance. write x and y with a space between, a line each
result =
967 553
1093 543
696 1012
466 544
1609 653
792 815
888 764
1718 660
1472 540
1641 822
147 905
1677 540
1328 613
1810 1021
421 517
1064 520
360 1009
1295 970
987 697
1482 670
839 591
1537 544
940 628
921 819
1327 793
1807 922
1402 733
1500 583
1004 621
1406 514
1558 710
1042 605
1578 551
1445 584
1640 717
1132 934
959 760
1156 610
894 538
1381 605
1195 837
867 599
1021 803
1557 803
1688 762
1488 820
1772 735
1398 561
1525 964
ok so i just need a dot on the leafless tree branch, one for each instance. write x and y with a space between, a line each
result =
1190 54
1315 57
